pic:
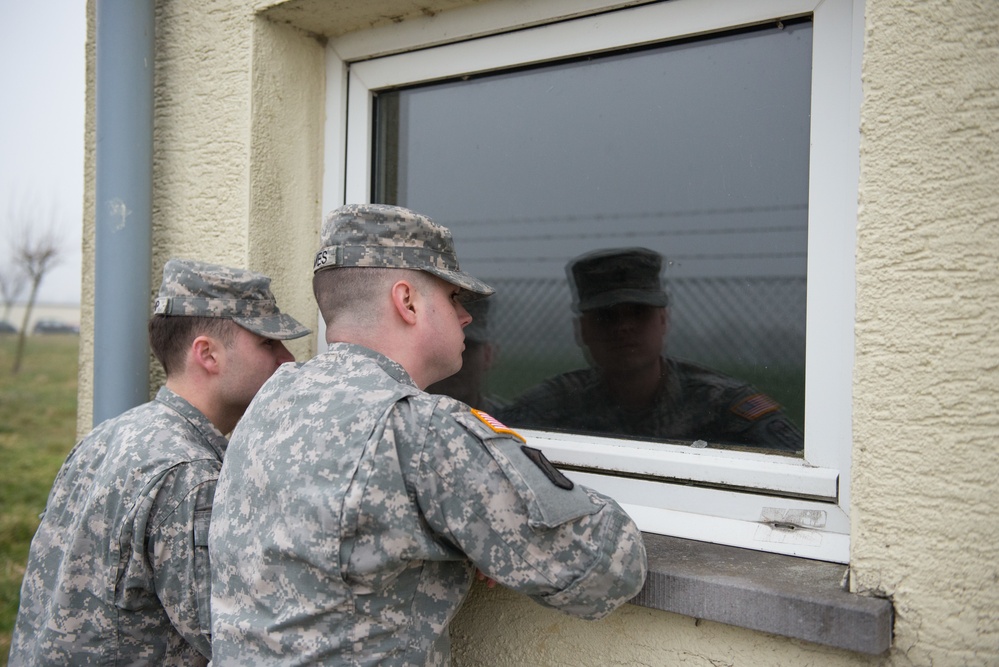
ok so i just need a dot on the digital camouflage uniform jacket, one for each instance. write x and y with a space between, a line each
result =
118 571
693 403
354 508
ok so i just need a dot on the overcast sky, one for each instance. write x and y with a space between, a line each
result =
43 82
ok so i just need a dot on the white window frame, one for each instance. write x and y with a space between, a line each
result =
759 501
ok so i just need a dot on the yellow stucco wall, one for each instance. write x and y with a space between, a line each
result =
239 121
238 116
925 522
499 628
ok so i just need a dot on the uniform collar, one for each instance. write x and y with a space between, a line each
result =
392 368
179 404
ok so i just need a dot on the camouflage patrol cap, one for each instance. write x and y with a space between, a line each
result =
199 289
380 236
605 278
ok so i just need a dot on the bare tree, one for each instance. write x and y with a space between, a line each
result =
11 285
35 249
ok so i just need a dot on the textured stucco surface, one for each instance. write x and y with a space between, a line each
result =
337 17
286 165
237 179
498 628
925 521
237 156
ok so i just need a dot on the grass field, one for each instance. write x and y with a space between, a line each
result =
37 430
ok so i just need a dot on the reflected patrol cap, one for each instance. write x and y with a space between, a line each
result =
380 236
199 289
605 278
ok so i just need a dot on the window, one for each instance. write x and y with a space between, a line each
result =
719 136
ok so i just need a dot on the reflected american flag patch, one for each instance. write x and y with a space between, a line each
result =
755 406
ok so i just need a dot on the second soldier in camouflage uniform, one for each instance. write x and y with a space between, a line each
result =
118 570
354 508
632 389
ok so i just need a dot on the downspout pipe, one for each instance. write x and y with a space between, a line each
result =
123 216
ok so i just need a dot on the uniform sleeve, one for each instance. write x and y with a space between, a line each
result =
178 554
523 523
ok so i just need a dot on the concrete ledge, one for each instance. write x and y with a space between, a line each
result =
782 595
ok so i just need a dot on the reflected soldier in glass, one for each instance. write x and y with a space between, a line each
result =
477 358
632 388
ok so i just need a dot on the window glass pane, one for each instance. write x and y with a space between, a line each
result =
695 152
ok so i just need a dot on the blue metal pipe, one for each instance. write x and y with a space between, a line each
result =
124 184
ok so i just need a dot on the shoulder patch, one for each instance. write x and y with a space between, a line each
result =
755 406
496 425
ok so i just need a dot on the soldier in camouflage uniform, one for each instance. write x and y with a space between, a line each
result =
118 571
354 508
631 389
467 384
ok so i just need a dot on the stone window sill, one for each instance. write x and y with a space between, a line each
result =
783 595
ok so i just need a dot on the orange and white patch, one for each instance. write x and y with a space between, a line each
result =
496 425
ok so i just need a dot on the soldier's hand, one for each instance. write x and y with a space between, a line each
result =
480 575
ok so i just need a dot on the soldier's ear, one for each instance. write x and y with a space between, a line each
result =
204 354
404 297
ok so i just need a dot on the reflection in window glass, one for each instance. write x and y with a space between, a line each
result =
643 216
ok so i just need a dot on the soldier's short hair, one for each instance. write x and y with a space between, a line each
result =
349 290
170 337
